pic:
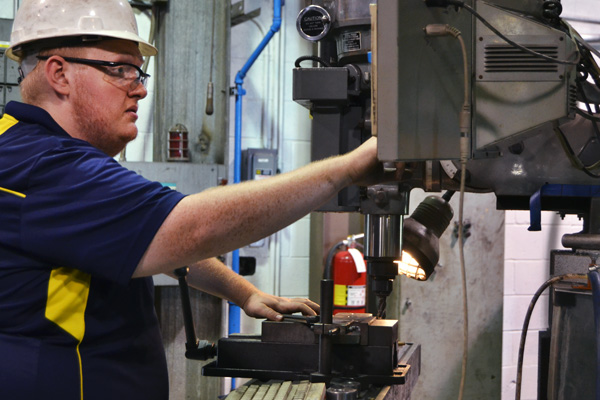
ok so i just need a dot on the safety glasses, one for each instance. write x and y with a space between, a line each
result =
125 75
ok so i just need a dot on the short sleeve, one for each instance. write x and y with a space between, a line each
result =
84 210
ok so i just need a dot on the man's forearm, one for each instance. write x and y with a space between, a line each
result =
214 277
222 219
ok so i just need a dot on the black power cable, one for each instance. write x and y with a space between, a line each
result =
311 58
534 300
571 153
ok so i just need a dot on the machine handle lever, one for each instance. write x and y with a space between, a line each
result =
195 349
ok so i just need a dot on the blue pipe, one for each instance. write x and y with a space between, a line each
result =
594 277
239 78
234 311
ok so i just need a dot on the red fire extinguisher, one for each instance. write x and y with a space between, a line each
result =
349 281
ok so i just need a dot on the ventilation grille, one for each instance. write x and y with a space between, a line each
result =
506 58
572 98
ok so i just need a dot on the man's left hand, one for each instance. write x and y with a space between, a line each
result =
263 305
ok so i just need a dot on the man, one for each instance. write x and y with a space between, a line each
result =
80 236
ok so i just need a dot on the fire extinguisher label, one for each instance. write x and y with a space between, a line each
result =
340 295
356 295
359 261
349 296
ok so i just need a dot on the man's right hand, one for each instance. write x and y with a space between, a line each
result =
365 169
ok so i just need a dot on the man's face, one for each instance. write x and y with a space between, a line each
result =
105 106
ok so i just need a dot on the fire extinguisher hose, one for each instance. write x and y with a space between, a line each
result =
328 272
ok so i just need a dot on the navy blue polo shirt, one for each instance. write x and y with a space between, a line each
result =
74 225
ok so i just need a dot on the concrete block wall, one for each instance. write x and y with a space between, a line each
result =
526 268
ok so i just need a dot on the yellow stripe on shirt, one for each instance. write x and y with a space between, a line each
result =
68 292
12 192
6 122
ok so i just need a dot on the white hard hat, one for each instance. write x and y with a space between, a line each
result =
39 20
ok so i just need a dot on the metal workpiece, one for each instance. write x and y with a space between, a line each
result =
288 332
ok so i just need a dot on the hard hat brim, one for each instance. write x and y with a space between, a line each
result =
146 49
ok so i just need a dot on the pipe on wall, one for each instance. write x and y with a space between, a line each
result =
234 311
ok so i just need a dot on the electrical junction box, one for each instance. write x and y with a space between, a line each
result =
258 163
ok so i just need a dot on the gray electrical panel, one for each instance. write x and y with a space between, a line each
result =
186 178
258 163
421 84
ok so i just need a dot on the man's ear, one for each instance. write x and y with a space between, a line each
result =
57 73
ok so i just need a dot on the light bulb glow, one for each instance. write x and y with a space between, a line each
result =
410 267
